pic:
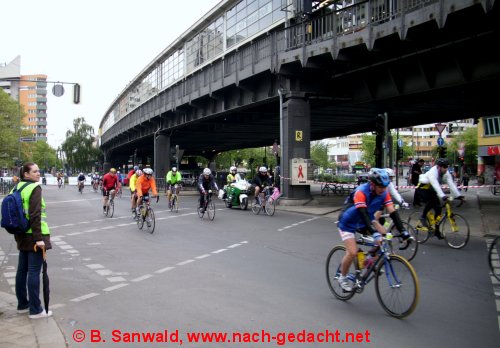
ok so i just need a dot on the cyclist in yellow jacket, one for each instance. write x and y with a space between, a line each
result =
133 190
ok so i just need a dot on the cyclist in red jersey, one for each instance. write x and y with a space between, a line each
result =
109 185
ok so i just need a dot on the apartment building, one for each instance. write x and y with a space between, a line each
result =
488 144
31 93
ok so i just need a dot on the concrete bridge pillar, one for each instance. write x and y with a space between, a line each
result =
106 166
161 155
296 126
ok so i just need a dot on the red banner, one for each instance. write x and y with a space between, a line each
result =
493 150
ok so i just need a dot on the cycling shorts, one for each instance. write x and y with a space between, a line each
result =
345 235
106 193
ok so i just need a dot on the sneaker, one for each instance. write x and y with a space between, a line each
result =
344 283
22 311
40 315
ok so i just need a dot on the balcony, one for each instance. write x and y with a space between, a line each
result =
41 99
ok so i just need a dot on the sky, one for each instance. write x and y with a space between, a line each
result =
100 44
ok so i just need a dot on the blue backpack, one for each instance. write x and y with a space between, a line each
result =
13 216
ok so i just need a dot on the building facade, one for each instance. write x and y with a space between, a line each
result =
488 143
31 93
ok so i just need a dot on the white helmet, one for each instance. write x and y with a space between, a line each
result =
263 169
174 169
390 172
148 171
233 169
207 171
81 173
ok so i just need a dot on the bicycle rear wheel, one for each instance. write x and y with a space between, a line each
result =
270 207
406 248
421 232
493 257
175 204
211 210
150 220
397 287
456 231
333 262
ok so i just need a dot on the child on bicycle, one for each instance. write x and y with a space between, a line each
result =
367 200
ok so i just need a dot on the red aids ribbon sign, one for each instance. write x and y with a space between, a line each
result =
301 175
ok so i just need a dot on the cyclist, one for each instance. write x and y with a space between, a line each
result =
81 181
360 216
173 177
133 190
143 184
205 182
429 190
60 178
260 181
109 185
95 181
396 197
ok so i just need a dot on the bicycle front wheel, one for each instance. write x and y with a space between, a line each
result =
140 219
270 207
111 209
256 207
456 231
493 257
150 220
211 210
175 204
397 287
421 232
333 263
406 248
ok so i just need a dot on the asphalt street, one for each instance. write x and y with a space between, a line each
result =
243 273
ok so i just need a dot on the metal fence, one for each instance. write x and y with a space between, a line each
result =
5 187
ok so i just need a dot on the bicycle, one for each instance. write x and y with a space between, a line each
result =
406 248
208 206
174 199
268 203
80 187
326 188
119 192
393 274
146 215
493 257
454 227
110 207
60 183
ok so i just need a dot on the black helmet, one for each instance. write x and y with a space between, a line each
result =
442 162
379 177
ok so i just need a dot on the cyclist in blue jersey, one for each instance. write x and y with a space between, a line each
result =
367 200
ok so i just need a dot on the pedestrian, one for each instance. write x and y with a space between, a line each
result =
465 181
31 258
416 170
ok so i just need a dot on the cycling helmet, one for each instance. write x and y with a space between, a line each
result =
390 172
148 171
263 169
112 170
207 171
81 173
379 177
232 169
136 167
442 162
174 169
138 172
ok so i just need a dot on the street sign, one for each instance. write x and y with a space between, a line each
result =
440 141
400 143
440 127
27 139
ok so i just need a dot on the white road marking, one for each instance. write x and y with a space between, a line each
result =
85 297
118 286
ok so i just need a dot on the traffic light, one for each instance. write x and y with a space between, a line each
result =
442 152
76 93
450 127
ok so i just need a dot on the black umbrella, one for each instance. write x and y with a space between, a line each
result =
45 281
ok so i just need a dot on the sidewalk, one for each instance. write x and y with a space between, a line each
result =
17 330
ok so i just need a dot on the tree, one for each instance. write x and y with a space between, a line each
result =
10 120
78 146
368 149
43 154
469 138
319 154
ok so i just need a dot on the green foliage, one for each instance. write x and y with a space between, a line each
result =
469 138
368 149
319 154
10 120
78 146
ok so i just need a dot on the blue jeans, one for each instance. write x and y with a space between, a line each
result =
28 274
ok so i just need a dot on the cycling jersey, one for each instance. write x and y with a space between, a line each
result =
82 178
143 185
173 178
262 180
109 182
132 182
205 184
363 197
433 179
